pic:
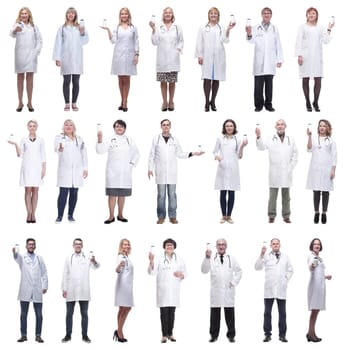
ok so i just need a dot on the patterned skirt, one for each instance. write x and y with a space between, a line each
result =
167 77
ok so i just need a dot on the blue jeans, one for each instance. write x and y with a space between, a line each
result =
62 200
24 308
172 201
84 316
282 316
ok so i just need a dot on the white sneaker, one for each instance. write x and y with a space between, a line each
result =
229 220
223 220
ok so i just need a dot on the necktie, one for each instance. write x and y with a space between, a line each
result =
221 259
277 255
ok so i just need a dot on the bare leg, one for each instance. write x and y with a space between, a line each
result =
29 88
112 204
120 85
171 90
28 202
120 202
121 318
163 87
126 88
20 88
34 200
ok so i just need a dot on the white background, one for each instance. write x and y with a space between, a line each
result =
198 203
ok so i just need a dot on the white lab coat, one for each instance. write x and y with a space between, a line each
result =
33 155
227 175
309 45
126 45
277 274
68 49
76 277
123 156
170 43
283 159
223 278
324 157
267 49
317 285
124 283
209 46
163 159
28 47
34 277
167 285
72 161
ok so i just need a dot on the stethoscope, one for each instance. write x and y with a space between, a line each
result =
207 28
71 258
76 140
227 139
131 27
167 260
229 259
170 137
275 138
327 141
277 258
114 143
163 30
32 260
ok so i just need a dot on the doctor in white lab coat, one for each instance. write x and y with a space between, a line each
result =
322 168
72 168
283 158
68 55
211 55
170 270
278 271
163 162
267 56
28 47
225 274
123 156
76 287
33 284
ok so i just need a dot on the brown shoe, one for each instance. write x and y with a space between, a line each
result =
173 221
160 221
287 220
39 339
271 220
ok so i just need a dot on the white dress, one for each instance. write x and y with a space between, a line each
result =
227 175
28 47
324 157
126 45
316 285
33 154
309 45
124 283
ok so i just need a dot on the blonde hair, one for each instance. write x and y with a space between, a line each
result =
328 126
73 10
32 121
71 122
30 20
120 250
218 12
129 15
163 11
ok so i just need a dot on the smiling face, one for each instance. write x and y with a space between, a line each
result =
71 16
312 16
77 245
169 249
275 245
229 127
213 16
167 15
266 16
125 247
24 16
68 128
124 16
323 129
32 127
165 127
316 246
280 126
119 129
31 246
221 246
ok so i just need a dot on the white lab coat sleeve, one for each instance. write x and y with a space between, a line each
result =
136 39
155 38
84 157
289 270
42 150
102 147
18 258
95 266
217 148
44 273
13 34
237 272
294 156
179 151
261 144
199 51
259 263
153 271
298 45
279 52
57 53
151 159
84 38
66 275
334 153
180 43
135 154
326 36
206 265
39 40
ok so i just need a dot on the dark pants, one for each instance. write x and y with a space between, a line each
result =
259 82
84 316
316 200
66 87
167 320
215 317
62 200
24 308
227 204
282 316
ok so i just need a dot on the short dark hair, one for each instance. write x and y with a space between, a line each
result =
169 240
312 243
268 9
120 122
30 240
165 120
235 131
77 239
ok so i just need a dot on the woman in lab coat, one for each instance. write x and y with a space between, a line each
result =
316 287
211 55
168 38
170 271
68 55
124 287
322 168
123 156
308 50
125 53
28 47
228 150
72 168
32 151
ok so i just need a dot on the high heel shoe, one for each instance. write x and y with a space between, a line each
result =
117 338
314 339
213 107
20 108
30 108
316 106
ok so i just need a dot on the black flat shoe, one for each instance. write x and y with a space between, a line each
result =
109 221
121 219
206 107
316 218
258 109
30 108
20 108
323 218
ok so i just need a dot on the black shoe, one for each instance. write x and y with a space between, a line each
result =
22 339
316 218
125 109
121 219
270 109
212 340
323 218
206 107
109 221
66 339
120 108
283 339
30 108
213 107
20 108
172 338
86 339
258 109
308 107
164 340
39 339
267 338
316 107
231 340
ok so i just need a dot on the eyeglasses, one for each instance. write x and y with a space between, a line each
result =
165 124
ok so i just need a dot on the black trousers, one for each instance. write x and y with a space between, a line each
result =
67 79
215 318
282 316
167 320
259 82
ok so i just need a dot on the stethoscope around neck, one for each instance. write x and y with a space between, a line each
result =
275 138
326 141
167 260
114 143
227 138
207 27
217 256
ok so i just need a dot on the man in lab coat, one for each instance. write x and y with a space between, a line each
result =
163 161
278 271
33 284
76 287
267 56
283 158
225 274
